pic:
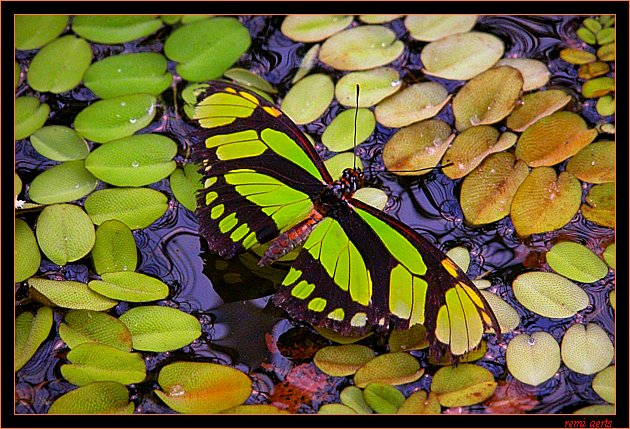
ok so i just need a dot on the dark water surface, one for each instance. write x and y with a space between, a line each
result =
236 332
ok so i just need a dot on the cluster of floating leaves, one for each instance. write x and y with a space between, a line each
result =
101 163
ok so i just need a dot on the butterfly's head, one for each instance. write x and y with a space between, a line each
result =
353 179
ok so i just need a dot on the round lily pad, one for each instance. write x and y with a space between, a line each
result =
352 397
535 106
205 49
124 74
415 149
160 329
64 233
30 116
91 362
600 205
462 385
27 257
114 248
135 207
185 182
428 28
249 79
313 28
130 286
63 183
461 56
533 359
549 294
586 349
374 86
392 368
535 73
34 31
308 99
415 103
487 192
487 98
59 143
507 316
361 48
202 388
115 118
576 262
48 73
564 133
545 202
342 360
103 397
383 398
595 163
308 62
30 332
604 384
87 326
111 29
420 402
340 134
136 160
71 294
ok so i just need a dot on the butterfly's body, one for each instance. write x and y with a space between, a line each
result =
357 268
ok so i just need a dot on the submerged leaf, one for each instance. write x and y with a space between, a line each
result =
549 294
533 359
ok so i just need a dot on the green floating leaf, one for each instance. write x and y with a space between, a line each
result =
18 74
91 362
487 192
202 388
606 52
64 233
415 149
135 207
600 205
361 48
343 360
613 298
461 56
374 86
34 31
535 73
30 116
596 409
136 160
545 202
375 197
254 409
71 294
592 24
472 146
130 286
482 283
30 332
160 329
335 409
59 143
605 105
185 182
420 402
461 256
507 316
414 338
378 19
428 28
392 368
549 294
577 56
249 79
586 35
205 49
313 28
105 397
115 248
586 349
62 183
27 257
115 118
308 99
487 98
59 66
536 106
576 262
604 384
337 163
307 64
462 385
609 255
598 87
352 397
605 35
383 398
533 359
340 134
125 74
415 103
86 326
111 29
17 185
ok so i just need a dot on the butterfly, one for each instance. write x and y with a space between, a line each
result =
357 268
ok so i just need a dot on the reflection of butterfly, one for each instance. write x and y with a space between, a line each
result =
358 268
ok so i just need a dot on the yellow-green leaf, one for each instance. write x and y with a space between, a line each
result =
86 326
600 205
533 359
577 56
535 73
576 262
340 133
352 397
462 385
71 294
383 398
104 397
27 256
30 333
586 349
374 86
313 28
114 248
343 360
135 207
595 163
130 286
62 183
421 402
609 255
413 104
428 28
414 338
506 315
535 106
392 368
308 99
549 294
604 384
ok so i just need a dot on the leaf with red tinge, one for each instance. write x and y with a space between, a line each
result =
511 397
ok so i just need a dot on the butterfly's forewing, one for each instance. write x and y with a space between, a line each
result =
260 173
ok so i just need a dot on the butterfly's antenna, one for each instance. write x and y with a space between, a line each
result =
356 115
415 171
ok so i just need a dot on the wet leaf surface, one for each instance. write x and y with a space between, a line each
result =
86 326
549 294
533 359
375 85
62 183
535 106
413 104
